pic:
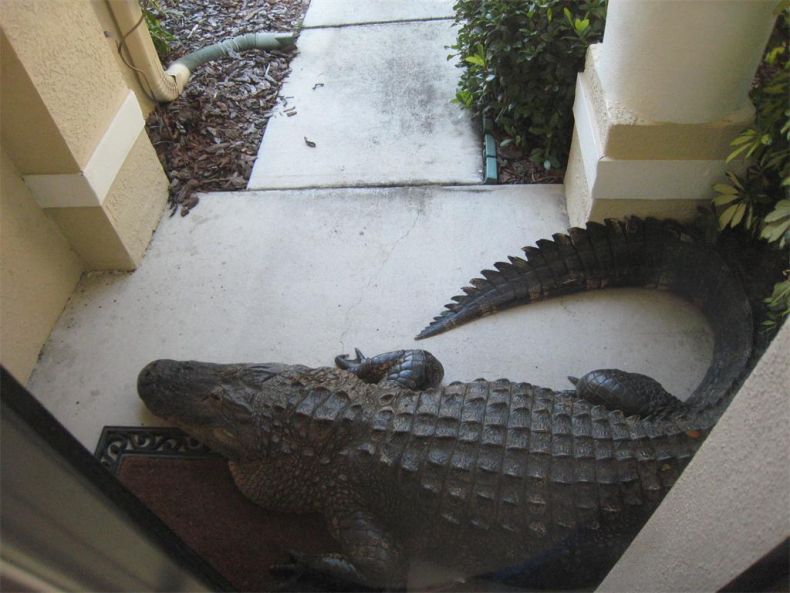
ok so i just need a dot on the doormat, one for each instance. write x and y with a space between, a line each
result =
190 488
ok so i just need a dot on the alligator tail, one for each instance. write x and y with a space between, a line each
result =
647 253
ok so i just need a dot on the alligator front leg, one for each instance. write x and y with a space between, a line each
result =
410 369
370 556
371 550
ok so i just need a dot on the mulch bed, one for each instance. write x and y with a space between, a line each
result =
515 165
208 138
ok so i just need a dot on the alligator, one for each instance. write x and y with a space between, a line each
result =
500 477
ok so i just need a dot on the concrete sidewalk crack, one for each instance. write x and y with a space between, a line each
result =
366 23
348 317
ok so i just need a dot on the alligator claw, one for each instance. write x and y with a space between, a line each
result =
303 573
343 361
295 563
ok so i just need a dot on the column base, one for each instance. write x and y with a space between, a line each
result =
621 164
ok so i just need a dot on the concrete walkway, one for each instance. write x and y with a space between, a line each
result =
369 104
300 275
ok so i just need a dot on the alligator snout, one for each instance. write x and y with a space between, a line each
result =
171 386
155 373
150 384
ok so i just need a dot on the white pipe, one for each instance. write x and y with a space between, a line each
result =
167 85
137 41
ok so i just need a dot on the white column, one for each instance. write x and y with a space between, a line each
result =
658 103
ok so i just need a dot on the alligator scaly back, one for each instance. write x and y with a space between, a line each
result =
648 253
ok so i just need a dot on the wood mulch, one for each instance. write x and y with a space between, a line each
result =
208 138
515 165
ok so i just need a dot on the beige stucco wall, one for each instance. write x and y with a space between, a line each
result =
113 38
65 53
66 120
38 272
63 86
27 126
141 176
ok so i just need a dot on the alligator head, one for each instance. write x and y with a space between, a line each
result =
219 404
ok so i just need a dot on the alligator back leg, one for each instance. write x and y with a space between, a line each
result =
633 393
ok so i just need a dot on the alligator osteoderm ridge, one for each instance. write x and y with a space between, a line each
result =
486 476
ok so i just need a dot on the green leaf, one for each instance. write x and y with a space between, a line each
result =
476 60
724 199
775 231
726 217
746 136
752 149
781 210
740 210
735 180
737 151
724 188
773 54
581 25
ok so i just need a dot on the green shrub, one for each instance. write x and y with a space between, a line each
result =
521 58
154 13
759 199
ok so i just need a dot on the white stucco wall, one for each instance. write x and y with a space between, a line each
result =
683 62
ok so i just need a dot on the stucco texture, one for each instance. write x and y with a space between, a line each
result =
70 63
27 126
683 62
137 197
38 272
114 36
623 134
730 506
114 236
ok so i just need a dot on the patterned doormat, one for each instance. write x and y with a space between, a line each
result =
191 490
